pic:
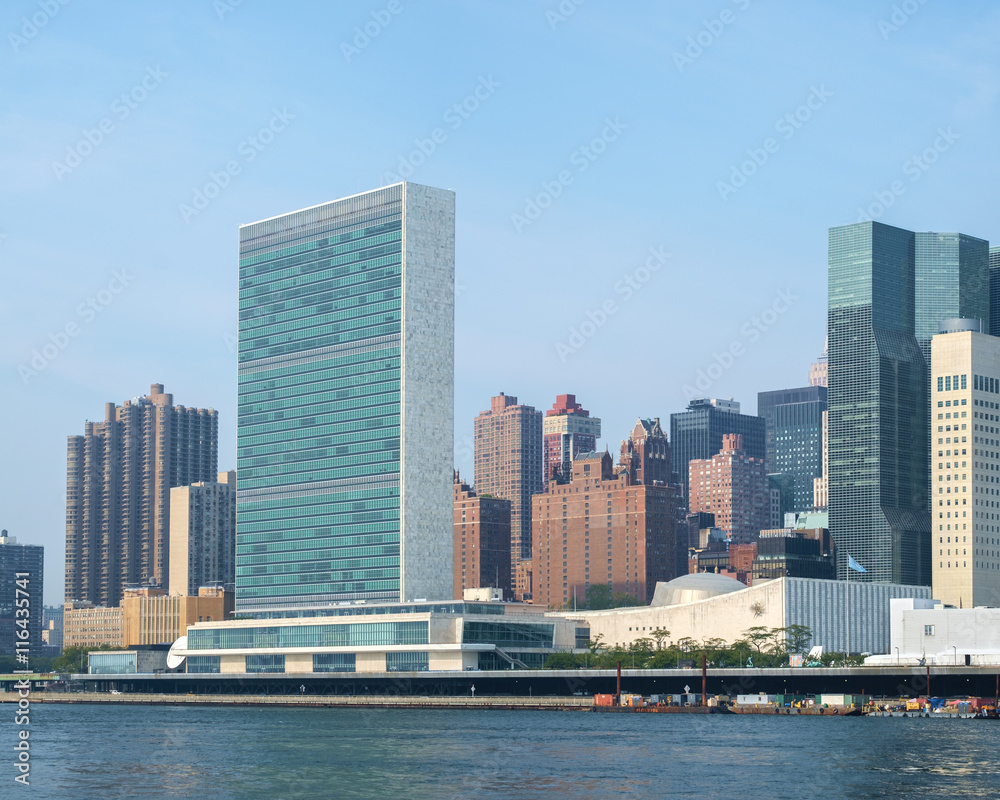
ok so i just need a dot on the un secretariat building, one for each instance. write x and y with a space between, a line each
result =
346 384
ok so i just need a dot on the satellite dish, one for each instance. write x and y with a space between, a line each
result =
174 658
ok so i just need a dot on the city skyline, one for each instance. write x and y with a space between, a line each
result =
152 133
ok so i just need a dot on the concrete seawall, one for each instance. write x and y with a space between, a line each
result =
311 701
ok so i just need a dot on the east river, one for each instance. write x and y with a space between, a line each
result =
223 753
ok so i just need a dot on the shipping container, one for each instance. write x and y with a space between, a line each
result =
604 699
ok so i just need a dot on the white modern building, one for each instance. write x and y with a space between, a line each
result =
842 615
965 465
346 376
401 637
927 632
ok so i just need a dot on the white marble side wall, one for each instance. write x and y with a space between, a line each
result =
427 393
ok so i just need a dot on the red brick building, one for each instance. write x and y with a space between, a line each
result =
608 525
733 486
568 430
481 541
508 456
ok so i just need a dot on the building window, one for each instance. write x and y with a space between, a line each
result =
266 663
928 630
407 662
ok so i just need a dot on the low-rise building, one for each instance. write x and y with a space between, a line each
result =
151 616
397 637
706 606
925 631
87 625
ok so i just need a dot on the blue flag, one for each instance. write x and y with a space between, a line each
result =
854 564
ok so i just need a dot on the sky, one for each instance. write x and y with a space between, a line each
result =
643 190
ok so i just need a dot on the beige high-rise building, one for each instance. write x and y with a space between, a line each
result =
965 465
821 485
203 535
118 480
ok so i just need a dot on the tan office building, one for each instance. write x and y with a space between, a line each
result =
965 465
87 625
150 616
203 535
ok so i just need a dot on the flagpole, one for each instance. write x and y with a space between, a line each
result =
848 652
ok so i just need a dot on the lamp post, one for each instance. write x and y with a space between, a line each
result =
897 656
955 648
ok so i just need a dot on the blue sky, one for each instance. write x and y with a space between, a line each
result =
672 167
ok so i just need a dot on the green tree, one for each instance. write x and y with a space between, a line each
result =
759 637
562 661
660 634
798 638
598 597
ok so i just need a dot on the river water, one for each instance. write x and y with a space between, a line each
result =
223 753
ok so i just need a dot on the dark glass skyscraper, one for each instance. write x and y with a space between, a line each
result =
697 434
877 406
767 402
798 435
24 562
346 373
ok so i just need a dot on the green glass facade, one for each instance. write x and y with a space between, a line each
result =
952 276
321 408
798 447
354 634
877 407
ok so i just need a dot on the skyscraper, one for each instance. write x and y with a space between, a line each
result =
568 429
877 403
994 327
118 480
798 447
819 371
508 460
21 567
346 374
203 535
965 461
697 434
952 281
767 404
733 486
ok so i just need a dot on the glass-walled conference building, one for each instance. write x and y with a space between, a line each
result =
406 637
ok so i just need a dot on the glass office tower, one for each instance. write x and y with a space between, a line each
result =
877 407
346 384
952 275
798 434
